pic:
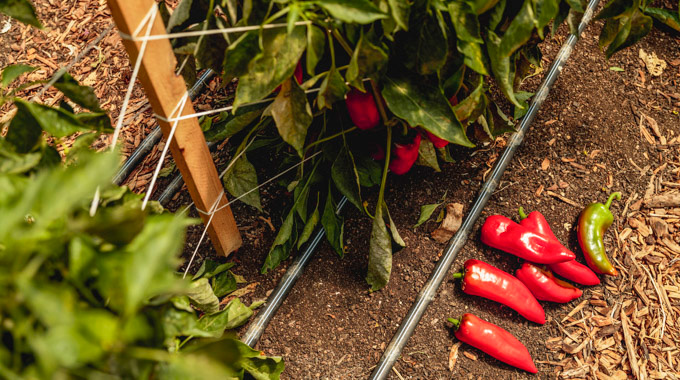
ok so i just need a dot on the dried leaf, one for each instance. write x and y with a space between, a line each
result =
450 224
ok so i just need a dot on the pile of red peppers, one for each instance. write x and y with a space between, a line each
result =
533 241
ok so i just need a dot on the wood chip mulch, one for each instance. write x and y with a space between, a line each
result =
628 328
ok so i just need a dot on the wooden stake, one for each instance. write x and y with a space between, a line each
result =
165 90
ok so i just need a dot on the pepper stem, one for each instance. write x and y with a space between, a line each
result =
456 322
522 215
616 195
458 275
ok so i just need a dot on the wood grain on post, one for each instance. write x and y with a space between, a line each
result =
165 90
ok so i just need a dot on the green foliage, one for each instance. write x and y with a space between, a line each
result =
412 57
94 297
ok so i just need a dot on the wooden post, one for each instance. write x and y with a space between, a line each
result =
165 90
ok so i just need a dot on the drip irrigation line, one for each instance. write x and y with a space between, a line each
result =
428 293
155 136
261 320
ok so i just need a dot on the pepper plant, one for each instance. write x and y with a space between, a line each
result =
94 297
387 84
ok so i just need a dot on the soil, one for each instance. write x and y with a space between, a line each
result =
330 326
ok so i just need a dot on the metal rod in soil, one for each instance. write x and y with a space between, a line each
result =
428 293
261 320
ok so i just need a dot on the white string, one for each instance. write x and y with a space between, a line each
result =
159 166
151 15
198 33
214 209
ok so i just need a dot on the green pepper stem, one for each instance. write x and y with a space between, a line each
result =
456 323
458 275
522 215
616 195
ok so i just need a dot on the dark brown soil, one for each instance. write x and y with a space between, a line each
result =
332 327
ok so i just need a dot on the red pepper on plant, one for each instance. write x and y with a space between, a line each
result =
572 269
502 233
494 341
362 109
405 155
484 280
545 286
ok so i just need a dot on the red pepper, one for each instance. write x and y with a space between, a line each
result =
484 280
297 74
405 156
572 269
504 234
494 341
545 286
436 141
378 152
362 109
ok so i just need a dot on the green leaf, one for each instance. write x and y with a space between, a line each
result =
186 13
400 10
55 121
501 67
370 172
523 97
575 5
379 253
280 249
276 63
24 132
426 212
465 22
352 11
12 72
83 96
546 10
239 54
630 31
316 44
423 105
224 283
665 16
519 31
242 178
367 60
427 155
234 315
310 225
346 177
229 125
616 68
617 8
496 15
474 57
211 268
427 47
151 258
202 296
334 226
398 242
21 10
465 109
481 6
292 115
333 89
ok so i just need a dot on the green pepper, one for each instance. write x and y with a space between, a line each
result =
592 225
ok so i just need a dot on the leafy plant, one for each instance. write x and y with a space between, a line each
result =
98 296
424 64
